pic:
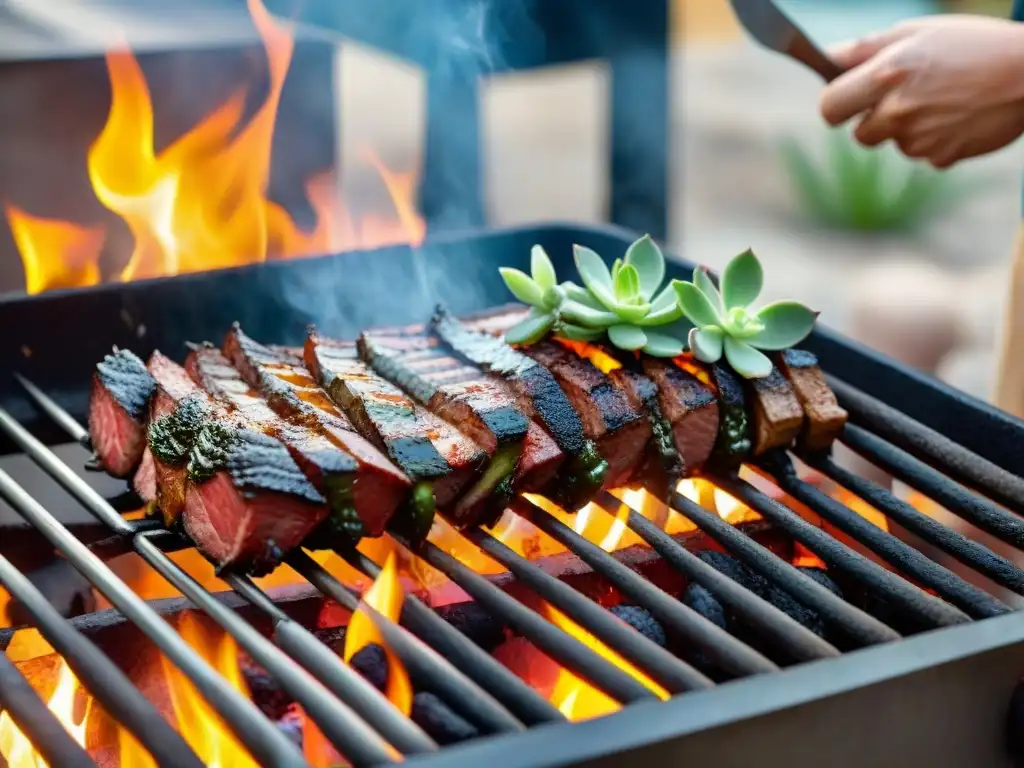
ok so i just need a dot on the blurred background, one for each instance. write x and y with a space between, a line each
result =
905 259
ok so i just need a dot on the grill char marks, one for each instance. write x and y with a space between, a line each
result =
121 392
662 466
608 417
425 447
690 407
825 419
245 502
537 394
465 397
377 488
329 469
776 412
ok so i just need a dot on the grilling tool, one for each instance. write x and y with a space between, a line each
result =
767 24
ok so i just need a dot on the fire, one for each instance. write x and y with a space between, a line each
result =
577 699
15 747
601 359
385 596
197 722
200 203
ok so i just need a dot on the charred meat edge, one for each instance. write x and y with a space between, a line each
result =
378 488
405 431
328 468
824 418
467 400
122 389
690 407
609 418
777 414
540 397
249 476
733 443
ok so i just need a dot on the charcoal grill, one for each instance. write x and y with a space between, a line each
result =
931 684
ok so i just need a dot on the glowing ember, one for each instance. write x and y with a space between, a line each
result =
200 203
385 596
15 747
601 359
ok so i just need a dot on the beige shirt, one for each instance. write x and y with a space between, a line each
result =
1009 393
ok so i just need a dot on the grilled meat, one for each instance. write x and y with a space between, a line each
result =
734 428
608 417
329 469
121 391
539 396
245 502
144 481
477 405
825 419
777 414
690 407
433 454
378 488
662 466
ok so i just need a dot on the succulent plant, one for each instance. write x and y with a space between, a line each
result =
623 303
726 324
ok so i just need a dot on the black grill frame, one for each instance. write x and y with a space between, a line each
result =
482 691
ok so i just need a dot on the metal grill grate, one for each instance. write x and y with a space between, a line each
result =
365 727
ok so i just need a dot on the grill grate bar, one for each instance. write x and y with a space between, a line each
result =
854 623
519 698
725 651
343 681
104 679
973 601
422 662
895 589
786 634
971 553
244 719
663 667
340 725
566 650
38 723
925 443
1002 524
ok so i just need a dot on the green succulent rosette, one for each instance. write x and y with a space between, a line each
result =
726 325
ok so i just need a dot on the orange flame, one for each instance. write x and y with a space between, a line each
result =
385 597
197 722
54 253
16 748
577 699
200 203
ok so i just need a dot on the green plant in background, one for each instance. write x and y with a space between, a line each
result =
726 324
623 302
867 190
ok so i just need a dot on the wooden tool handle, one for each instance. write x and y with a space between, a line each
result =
1009 389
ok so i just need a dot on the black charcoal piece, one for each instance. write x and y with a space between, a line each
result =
372 663
643 622
704 603
821 576
796 611
476 624
735 570
439 721
292 725
264 690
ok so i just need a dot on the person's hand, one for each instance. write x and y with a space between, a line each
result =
944 88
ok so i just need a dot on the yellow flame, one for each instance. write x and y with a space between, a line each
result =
16 748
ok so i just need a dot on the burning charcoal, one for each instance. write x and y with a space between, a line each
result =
795 610
264 690
372 664
476 624
707 605
441 723
292 724
643 622
704 603
735 570
821 576
526 661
